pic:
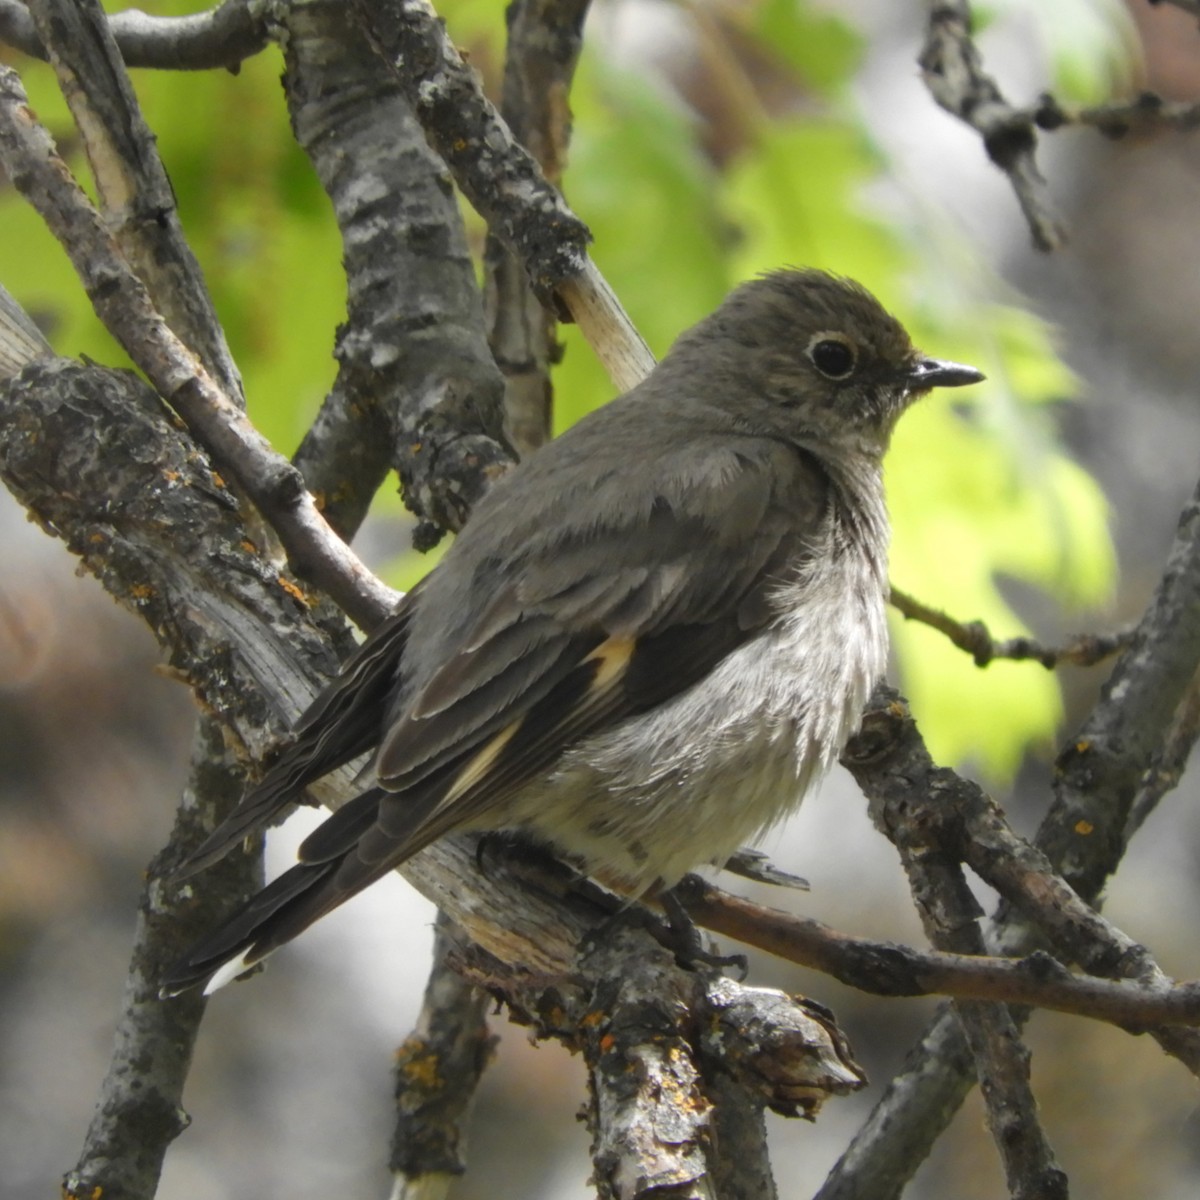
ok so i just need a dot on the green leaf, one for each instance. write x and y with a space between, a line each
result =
636 175
793 198
821 47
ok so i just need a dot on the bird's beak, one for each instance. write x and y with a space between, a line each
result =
928 373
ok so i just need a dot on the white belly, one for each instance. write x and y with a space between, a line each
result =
712 769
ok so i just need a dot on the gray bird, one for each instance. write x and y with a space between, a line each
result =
649 642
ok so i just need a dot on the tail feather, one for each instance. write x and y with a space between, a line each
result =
342 723
290 903
331 870
340 832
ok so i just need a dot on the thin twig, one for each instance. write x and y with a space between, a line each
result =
318 554
888 969
136 198
1083 650
221 37
954 74
1146 111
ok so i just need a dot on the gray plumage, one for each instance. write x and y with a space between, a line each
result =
651 639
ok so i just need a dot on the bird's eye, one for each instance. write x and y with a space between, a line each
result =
833 355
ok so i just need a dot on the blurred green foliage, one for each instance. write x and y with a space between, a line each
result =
254 213
979 485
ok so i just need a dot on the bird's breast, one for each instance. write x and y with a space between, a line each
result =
700 775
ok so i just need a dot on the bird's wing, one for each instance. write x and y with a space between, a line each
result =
342 723
611 623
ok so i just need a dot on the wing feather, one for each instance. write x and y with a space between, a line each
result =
585 627
341 724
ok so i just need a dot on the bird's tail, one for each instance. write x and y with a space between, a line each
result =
331 870
341 724
275 915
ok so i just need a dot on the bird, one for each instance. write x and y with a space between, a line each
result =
648 643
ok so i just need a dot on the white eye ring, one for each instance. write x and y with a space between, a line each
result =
833 354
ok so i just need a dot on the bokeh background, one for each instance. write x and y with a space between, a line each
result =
713 139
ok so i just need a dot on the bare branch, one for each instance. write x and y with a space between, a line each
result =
1164 774
139 1111
499 178
544 39
888 969
221 37
656 1038
417 388
892 765
437 1072
1099 773
607 327
1146 111
954 74
21 341
120 299
949 913
1083 650
136 196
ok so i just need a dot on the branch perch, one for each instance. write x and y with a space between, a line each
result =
953 72
888 969
221 37
1083 650
502 181
31 162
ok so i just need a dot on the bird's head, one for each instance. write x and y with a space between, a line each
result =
812 355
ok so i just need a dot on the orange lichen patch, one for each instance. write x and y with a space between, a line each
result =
248 546
293 591
141 591
592 1019
607 1042
97 539
421 1068
1083 746
1083 828
217 479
